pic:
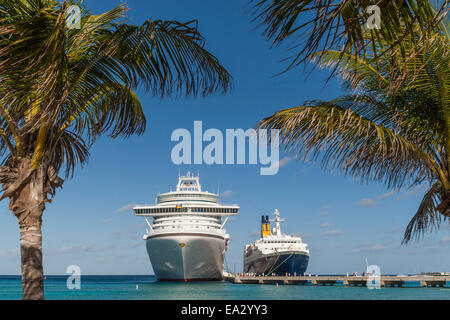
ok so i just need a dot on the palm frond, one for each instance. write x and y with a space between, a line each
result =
168 56
113 109
312 26
349 142
70 150
427 216
359 73
84 81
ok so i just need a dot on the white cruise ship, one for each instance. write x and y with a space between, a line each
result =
276 253
186 241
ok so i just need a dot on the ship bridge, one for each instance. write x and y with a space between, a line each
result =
189 182
187 199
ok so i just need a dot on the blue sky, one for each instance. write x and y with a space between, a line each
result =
90 222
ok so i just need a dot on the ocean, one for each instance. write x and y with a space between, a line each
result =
147 288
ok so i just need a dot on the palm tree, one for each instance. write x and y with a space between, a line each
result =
63 87
373 134
309 27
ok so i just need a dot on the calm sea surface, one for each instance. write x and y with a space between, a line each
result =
124 288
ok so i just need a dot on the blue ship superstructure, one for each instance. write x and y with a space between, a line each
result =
276 253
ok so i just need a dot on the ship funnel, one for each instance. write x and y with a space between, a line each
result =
265 226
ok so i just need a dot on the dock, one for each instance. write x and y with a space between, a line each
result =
385 281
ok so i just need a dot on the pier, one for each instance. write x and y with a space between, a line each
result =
350 281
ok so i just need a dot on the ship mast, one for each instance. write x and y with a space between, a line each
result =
277 220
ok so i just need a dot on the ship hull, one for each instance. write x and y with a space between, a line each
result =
292 263
187 257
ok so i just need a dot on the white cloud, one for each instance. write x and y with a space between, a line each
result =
126 208
135 244
386 195
373 202
332 233
366 202
14 252
228 194
130 230
255 233
325 211
82 248
371 247
445 239
390 231
107 220
285 161
412 192
326 225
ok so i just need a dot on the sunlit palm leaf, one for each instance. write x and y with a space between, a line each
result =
427 216
345 140
312 26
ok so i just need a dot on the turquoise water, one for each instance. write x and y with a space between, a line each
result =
124 288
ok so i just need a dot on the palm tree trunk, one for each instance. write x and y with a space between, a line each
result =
31 259
28 203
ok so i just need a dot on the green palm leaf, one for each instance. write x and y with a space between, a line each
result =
312 26
347 141
61 88
395 136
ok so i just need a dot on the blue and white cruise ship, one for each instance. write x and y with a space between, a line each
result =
276 253
186 240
